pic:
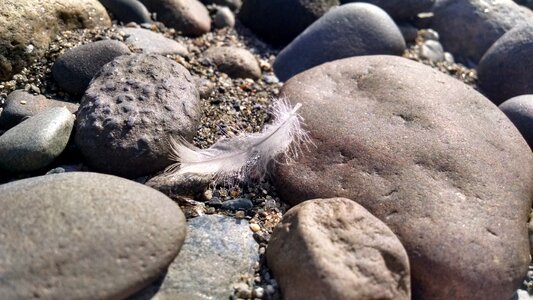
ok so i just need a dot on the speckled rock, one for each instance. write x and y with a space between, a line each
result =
22 24
75 68
131 109
236 62
223 17
36 142
417 158
505 69
400 9
479 22
349 30
520 111
152 42
335 249
21 105
232 4
280 21
128 10
190 17
84 236
218 250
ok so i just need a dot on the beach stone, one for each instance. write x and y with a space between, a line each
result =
223 17
180 185
28 26
84 236
335 249
130 111
190 17
479 22
128 11
36 142
349 30
417 158
232 4
238 204
279 21
75 68
152 42
432 50
400 9
520 111
236 62
218 250
505 69
21 105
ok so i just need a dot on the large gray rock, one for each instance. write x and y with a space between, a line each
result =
400 9
520 111
218 250
130 111
429 156
36 142
236 62
468 28
152 42
84 236
28 26
280 21
128 10
75 68
335 249
190 17
505 69
348 30
21 105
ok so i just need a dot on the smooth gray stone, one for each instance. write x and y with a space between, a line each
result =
400 9
432 50
223 17
128 10
236 62
152 42
36 142
84 236
21 105
238 204
217 251
520 111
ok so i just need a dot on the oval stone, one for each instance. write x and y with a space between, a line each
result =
84 236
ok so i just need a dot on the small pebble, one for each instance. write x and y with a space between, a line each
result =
254 227
258 292
239 214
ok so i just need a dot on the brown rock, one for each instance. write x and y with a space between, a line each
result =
335 249
429 156
236 62
190 17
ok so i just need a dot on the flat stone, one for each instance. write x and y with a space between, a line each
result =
75 68
128 10
181 185
152 42
190 17
349 30
21 105
336 249
400 9
36 142
28 26
468 28
236 62
130 111
279 21
238 204
505 69
414 146
520 111
84 236
218 250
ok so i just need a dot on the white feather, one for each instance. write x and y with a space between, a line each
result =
237 157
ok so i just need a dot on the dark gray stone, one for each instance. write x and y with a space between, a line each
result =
238 204
520 111
279 21
128 10
36 142
130 111
21 105
349 30
236 62
505 69
152 42
180 185
218 250
232 4
468 28
84 236
430 157
527 3
190 17
75 68
400 9
409 32
223 17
